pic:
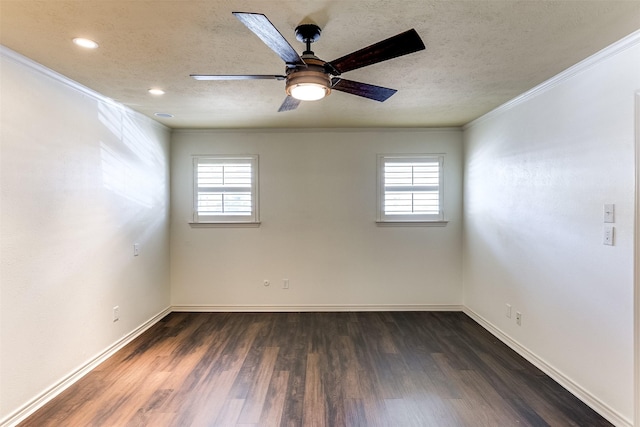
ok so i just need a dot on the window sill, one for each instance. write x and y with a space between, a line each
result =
412 223
229 224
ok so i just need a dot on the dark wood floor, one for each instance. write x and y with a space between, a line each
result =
316 369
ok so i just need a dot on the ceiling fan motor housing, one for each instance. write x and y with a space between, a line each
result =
313 75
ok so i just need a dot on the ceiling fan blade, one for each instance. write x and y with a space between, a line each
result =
377 93
290 103
398 45
260 25
237 77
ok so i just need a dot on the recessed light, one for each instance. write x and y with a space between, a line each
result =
86 43
155 91
163 115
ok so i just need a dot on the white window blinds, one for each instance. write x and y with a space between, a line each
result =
410 188
225 189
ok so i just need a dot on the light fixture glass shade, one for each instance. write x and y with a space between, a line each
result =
308 91
308 85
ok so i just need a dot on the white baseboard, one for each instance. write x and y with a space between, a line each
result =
39 401
317 307
594 403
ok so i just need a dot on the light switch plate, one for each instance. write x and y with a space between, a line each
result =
609 213
607 238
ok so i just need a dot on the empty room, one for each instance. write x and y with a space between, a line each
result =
319 213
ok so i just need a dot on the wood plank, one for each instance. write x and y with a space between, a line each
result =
314 397
258 393
230 413
274 404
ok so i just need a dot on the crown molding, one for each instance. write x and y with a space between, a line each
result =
450 129
11 55
614 49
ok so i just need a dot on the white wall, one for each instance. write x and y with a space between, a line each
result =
537 173
318 210
82 179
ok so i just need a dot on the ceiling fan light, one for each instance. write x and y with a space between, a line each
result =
308 85
308 91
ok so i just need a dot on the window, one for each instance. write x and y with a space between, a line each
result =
410 188
225 189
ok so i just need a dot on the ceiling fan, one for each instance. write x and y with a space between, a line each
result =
309 78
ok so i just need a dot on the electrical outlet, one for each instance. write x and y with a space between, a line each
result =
116 313
285 283
508 311
266 282
518 318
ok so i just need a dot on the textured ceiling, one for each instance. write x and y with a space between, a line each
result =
479 54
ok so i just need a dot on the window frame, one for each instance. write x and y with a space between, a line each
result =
412 218
253 219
